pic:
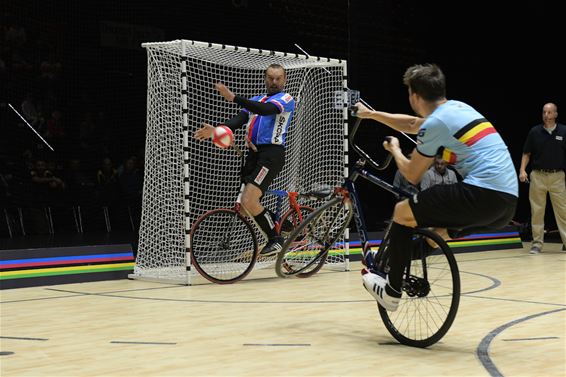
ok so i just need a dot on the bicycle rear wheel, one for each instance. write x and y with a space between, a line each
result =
291 220
431 293
223 246
305 250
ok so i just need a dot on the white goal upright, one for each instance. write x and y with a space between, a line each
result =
185 177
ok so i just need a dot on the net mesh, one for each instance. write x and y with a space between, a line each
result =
182 183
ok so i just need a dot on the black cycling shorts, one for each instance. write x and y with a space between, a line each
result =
261 167
462 207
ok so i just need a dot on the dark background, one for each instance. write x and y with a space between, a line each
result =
502 59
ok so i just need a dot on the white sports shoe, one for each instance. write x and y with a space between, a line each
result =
375 285
535 250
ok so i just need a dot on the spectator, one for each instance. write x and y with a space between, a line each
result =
43 179
107 182
50 70
27 160
76 177
545 149
46 190
438 174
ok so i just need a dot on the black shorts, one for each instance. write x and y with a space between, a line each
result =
463 208
263 166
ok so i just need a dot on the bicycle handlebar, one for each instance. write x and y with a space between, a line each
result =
361 152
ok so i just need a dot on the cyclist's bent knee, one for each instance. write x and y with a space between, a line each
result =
250 208
251 200
403 214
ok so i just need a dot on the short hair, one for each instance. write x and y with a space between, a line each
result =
555 108
275 66
426 80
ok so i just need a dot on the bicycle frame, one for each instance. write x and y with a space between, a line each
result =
293 203
280 196
349 187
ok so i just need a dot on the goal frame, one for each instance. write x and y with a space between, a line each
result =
191 275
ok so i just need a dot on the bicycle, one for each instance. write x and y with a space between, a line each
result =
224 247
431 282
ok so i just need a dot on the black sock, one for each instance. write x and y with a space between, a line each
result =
266 224
400 254
272 214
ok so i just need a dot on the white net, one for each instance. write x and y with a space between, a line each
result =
184 177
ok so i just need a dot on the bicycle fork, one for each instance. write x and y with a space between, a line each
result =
367 255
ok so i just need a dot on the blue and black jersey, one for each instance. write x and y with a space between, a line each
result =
267 118
271 129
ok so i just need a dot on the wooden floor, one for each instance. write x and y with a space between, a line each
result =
511 322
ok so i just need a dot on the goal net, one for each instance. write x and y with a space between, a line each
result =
185 177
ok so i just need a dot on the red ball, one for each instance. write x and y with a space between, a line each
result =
222 137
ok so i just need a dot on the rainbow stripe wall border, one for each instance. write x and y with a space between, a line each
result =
63 265
506 239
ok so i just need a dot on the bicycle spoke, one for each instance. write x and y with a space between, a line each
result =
430 299
306 248
225 257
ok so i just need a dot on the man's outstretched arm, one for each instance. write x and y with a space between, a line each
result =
255 107
401 122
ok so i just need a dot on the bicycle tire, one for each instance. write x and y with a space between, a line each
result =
305 250
293 218
223 246
305 212
433 285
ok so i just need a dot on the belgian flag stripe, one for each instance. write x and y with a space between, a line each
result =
477 133
480 135
449 156
462 131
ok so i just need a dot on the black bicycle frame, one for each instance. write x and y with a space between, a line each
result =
360 171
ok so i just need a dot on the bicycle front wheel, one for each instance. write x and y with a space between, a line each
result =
305 250
431 294
223 246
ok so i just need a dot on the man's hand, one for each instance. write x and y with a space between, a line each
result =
391 143
362 112
251 145
523 176
225 92
205 132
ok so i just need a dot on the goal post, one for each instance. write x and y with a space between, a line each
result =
185 177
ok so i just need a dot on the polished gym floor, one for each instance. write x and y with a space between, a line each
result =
511 322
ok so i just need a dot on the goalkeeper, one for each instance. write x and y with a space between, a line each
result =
267 118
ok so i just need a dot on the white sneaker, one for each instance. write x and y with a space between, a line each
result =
375 285
535 250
